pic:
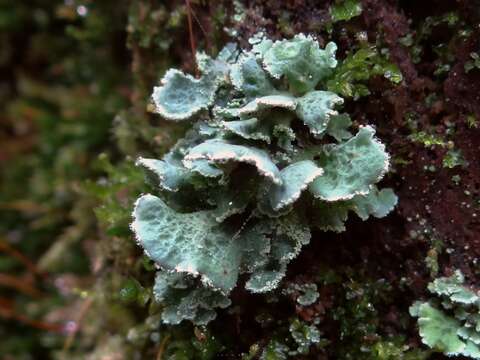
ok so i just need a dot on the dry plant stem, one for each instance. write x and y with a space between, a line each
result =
23 206
7 312
190 31
161 348
19 284
205 34
81 314
5 247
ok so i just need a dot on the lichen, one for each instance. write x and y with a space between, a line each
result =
450 322
240 192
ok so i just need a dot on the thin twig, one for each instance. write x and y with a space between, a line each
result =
7 248
161 348
23 206
7 312
19 284
199 23
81 314
190 30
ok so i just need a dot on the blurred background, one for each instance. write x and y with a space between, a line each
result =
75 79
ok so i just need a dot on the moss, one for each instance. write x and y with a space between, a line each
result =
358 311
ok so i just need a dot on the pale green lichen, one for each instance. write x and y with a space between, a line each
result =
453 158
301 338
307 293
189 97
450 323
316 108
193 243
304 335
180 96
275 350
295 178
241 192
351 167
301 61
248 76
220 152
183 300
